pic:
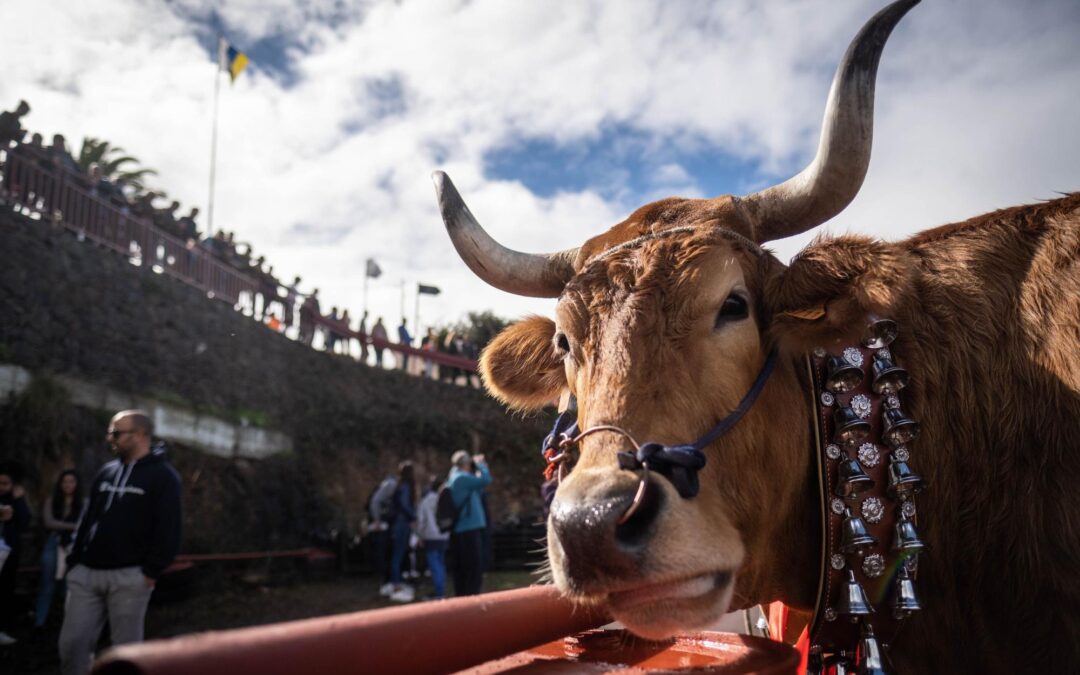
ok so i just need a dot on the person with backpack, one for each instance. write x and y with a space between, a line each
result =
468 531
404 514
434 538
380 508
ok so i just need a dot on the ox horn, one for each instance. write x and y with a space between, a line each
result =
825 187
537 275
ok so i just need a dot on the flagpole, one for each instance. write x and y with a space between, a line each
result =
365 288
416 312
213 141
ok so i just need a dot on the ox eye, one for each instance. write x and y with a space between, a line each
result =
562 345
733 309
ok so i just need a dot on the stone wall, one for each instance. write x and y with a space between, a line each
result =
71 309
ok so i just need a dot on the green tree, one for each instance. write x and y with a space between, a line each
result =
116 166
481 327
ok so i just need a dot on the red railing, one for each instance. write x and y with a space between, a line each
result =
58 195
64 197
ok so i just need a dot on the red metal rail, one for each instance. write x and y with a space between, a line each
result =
29 178
55 192
434 637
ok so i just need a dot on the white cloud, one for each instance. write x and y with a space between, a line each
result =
976 108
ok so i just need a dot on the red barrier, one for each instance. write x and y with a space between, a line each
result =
30 180
434 637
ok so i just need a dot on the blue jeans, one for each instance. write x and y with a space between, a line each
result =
399 538
435 551
48 578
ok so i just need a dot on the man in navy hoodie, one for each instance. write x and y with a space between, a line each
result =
128 535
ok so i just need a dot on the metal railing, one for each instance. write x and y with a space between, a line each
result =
65 198
29 178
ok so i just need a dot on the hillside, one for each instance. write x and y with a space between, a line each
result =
69 307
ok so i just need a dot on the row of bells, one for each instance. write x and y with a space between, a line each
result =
843 375
896 427
868 658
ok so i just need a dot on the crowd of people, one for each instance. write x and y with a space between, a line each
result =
447 520
106 551
281 307
107 543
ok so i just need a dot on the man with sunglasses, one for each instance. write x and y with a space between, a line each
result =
129 534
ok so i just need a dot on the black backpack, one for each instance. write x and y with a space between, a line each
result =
446 512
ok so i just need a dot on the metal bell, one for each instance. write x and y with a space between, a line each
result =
850 428
889 378
843 375
904 602
898 428
906 538
853 536
853 600
903 482
879 332
871 658
851 479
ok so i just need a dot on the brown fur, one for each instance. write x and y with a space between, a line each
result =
988 311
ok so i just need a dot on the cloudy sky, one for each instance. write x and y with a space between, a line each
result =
555 119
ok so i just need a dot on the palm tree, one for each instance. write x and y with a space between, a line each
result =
113 162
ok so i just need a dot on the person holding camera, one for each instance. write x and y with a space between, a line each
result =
129 534
468 539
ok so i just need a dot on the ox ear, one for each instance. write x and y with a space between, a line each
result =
520 367
832 286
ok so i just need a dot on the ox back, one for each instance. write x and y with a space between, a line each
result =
992 341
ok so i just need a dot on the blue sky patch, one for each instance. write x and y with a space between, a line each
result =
623 164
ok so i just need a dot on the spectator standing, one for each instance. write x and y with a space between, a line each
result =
309 316
346 332
380 506
60 515
333 334
378 340
292 294
469 529
435 540
186 225
60 156
428 344
14 518
404 514
165 219
129 534
362 329
11 124
405 340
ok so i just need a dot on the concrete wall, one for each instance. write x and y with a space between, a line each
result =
172 423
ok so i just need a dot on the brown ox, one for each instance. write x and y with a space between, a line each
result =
662 336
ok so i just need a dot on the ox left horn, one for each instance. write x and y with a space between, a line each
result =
537 275
825 187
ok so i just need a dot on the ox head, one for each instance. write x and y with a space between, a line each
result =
661 327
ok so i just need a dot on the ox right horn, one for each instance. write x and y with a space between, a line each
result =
825 187
537 275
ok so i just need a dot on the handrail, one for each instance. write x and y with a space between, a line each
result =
52 190
28 177
441 358
432 637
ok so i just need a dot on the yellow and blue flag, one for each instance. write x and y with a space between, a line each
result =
231 59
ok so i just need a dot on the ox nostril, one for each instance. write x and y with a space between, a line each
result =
637 529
